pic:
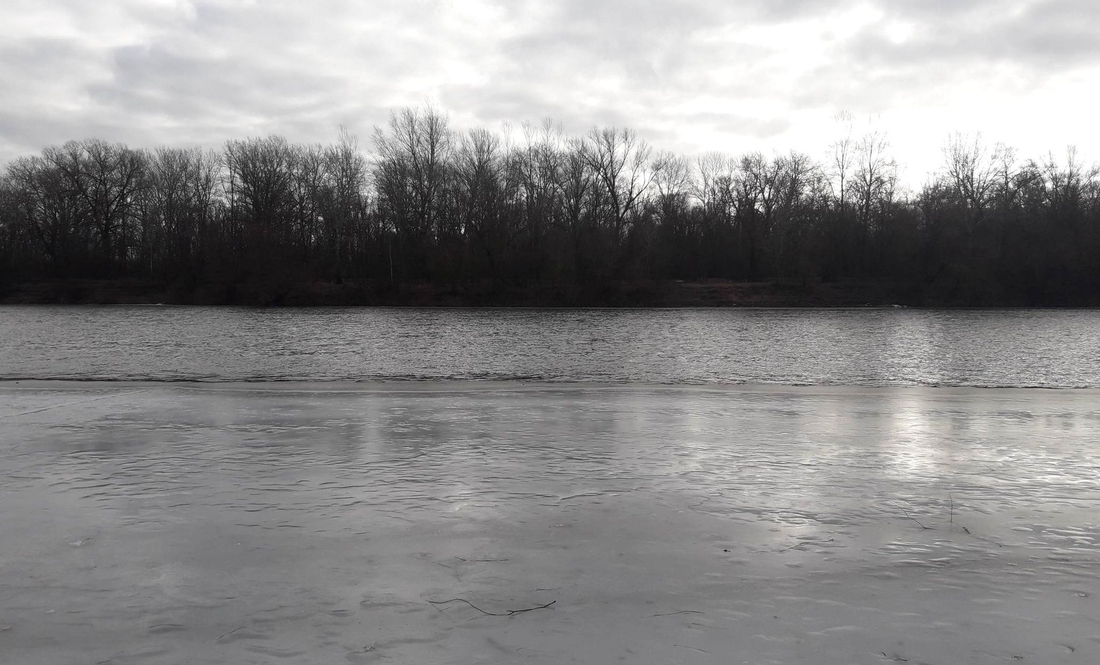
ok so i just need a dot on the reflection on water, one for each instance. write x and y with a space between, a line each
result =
746 451
226 524
1048 348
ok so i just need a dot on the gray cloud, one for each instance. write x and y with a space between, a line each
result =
951 48
152 72
1039 36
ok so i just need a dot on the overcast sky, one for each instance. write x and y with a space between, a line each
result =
688 75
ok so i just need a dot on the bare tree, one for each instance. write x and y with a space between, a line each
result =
1007 175
972 169
536 166
260 172
876 175
309 190
842 158
796 177
672 177
1066 184
180 200
757 194
479 169
620 161
261 235
106 178
714 180
47 208
575 182
344 223
411 171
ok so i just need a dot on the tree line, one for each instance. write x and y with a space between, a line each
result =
427 204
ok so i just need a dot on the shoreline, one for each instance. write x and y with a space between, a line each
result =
623 294
443 386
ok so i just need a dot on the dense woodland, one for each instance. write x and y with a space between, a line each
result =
535 209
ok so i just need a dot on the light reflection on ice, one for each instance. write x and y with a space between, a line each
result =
313 523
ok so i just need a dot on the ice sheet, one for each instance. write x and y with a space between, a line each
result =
309 523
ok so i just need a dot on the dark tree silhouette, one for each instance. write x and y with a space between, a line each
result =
560 217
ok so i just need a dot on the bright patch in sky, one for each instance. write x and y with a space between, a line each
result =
899 32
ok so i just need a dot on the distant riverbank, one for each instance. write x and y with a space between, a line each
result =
710 293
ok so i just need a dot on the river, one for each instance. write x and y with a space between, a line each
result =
187 485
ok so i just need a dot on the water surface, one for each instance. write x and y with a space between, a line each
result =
855 347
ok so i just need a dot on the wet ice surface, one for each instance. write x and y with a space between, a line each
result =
412 524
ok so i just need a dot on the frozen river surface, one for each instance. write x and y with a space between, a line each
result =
548 524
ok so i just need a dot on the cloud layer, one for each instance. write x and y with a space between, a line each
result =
689 75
